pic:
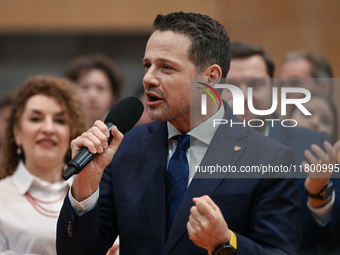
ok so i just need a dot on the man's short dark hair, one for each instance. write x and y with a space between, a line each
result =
97 61
210 43
245 49
320 64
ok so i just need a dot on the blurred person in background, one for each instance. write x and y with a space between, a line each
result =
252 67
99 81
306 69
5 109
45 117
324 116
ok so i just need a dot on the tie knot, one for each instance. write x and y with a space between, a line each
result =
183 141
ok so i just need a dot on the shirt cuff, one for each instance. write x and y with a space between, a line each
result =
86 205
323 215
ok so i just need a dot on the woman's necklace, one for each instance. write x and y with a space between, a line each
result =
38 205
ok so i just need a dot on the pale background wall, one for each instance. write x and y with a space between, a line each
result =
41 36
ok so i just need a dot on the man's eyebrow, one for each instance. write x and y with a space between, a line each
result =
160 59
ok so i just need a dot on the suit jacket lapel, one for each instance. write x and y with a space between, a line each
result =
221 151
152 175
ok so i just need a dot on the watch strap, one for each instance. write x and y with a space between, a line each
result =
232 244
233 240
324 193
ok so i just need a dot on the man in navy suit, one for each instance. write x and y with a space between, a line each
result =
129 197
252 67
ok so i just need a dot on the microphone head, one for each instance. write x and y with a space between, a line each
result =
125 114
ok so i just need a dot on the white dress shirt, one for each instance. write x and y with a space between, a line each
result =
23 230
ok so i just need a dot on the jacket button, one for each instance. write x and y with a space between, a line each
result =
70 229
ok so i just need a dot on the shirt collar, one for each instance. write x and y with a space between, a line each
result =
24 180
203 132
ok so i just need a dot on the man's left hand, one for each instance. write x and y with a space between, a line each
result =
206 226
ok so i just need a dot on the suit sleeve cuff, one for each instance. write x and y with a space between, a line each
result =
323 215
86 205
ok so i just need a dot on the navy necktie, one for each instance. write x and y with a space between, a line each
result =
177 178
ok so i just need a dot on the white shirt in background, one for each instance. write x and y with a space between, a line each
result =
24 230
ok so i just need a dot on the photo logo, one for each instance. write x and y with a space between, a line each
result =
204 97
238 99
239 103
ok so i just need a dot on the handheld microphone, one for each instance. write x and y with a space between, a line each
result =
124 115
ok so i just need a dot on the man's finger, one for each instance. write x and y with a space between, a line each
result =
113 249
117 138
97 139
195 215
102 127
205 205
337 146
310 157
330 151
319 153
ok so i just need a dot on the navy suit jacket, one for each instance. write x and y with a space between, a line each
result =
316 239
264 213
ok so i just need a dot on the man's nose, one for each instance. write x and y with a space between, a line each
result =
244 89
151 77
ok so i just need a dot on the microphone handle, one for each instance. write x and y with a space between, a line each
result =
83 157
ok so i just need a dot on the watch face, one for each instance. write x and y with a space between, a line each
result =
329 191
226 249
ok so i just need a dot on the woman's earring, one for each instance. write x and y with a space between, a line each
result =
19 151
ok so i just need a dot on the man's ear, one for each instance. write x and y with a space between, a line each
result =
213 73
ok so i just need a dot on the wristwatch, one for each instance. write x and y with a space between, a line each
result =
324 194
228 248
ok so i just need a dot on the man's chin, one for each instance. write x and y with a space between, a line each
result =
156 115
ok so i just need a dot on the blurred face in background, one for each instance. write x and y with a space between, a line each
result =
43 132
96 94
298 68
297 73
250 72
322 118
